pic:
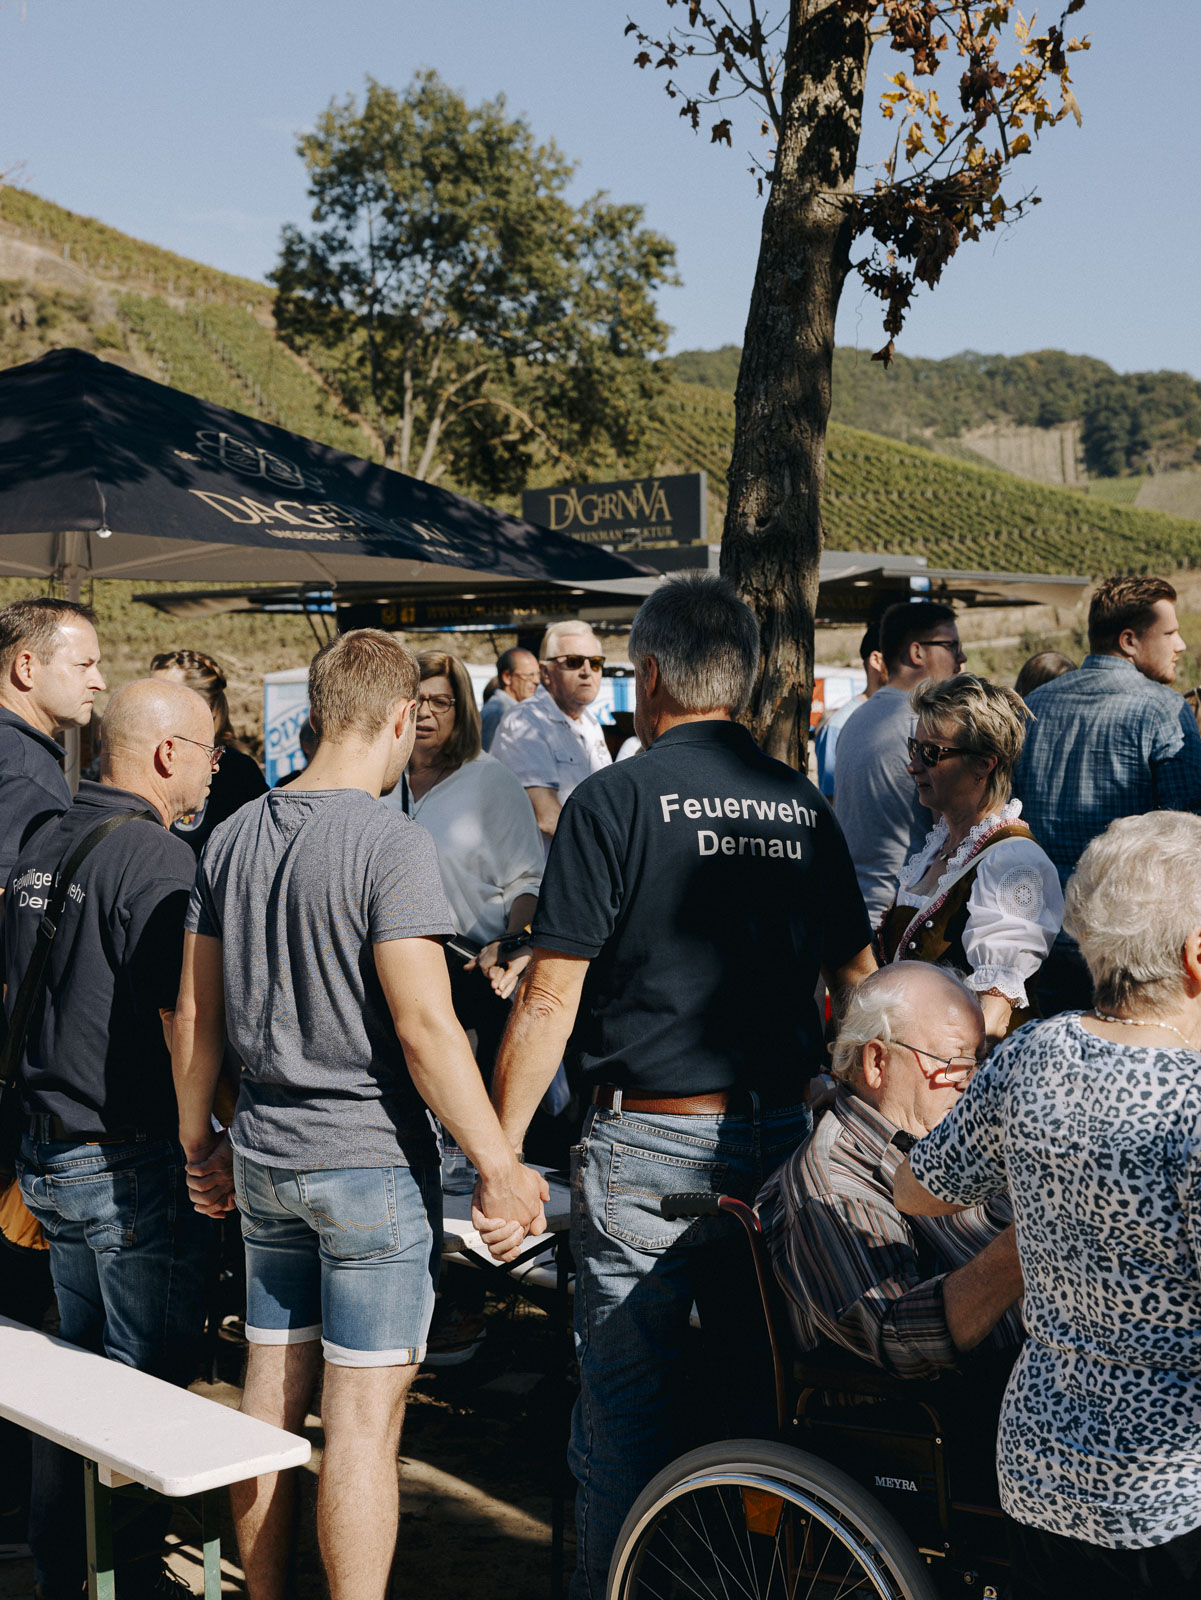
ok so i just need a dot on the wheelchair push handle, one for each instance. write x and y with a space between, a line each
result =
675 1206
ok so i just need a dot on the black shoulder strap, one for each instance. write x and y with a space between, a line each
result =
35 972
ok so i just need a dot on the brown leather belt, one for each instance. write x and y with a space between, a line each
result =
688 1105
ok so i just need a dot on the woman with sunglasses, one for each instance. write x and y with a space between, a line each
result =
980 896
489 848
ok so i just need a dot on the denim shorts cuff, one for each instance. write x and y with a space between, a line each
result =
339 1356
283 1335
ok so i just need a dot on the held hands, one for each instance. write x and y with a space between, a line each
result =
504 1212
210 1177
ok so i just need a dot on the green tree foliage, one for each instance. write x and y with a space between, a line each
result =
481 324
801 66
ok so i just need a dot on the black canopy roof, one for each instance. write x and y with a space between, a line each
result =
105 472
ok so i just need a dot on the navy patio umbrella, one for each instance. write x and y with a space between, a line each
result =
107 474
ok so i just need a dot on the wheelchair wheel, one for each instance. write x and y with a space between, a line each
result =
761 1521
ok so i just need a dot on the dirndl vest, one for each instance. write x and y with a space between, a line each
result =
934 931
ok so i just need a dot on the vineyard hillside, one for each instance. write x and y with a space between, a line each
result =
1045 415
68 280
882 495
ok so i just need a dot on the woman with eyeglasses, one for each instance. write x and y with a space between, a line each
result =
489 848
980 896
237 777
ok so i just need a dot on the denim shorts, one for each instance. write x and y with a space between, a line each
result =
346 1255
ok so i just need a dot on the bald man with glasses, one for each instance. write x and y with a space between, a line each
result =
100 1164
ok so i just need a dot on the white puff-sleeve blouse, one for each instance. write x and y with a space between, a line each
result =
1014 911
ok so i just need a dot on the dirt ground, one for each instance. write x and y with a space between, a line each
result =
484 1448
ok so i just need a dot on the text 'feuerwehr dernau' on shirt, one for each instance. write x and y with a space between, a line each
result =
740 809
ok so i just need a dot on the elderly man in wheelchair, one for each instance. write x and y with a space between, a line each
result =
903 1330
911 1295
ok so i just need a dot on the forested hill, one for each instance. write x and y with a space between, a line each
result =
68 280
1127 423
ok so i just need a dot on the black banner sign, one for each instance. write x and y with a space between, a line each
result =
637 514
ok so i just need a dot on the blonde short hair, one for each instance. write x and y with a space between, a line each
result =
355 681
1132 902
991 720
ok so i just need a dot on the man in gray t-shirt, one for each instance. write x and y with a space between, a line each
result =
876 799
314 942
330 873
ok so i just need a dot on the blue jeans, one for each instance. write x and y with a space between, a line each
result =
637 1277
347 1255
128 1256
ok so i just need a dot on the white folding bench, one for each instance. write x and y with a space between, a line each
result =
131 1428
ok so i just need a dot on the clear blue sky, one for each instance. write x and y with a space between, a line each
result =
177 123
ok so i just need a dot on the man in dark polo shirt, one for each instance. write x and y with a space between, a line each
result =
48 679
100 1166
49 676
692 898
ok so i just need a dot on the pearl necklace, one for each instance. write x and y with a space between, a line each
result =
1144 1022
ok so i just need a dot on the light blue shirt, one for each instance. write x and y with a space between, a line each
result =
827 741
493 711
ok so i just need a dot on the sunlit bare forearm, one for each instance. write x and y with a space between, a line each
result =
540 1025
977 1296
414 978
198 1040
546 809
997 1012
912 1197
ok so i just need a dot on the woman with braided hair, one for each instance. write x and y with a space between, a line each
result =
236 774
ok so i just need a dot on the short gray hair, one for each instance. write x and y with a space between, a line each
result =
869 1012
557 630
705 640
1133 901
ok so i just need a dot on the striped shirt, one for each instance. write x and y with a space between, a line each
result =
853 1269
1105 742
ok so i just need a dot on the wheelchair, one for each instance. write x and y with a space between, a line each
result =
875 1486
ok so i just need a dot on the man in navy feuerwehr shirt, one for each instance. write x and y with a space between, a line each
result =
692 898
49 676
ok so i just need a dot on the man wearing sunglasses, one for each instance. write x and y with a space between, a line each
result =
912 1295
876 802
552 741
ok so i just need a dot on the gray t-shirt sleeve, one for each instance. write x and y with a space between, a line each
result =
405 898
201 916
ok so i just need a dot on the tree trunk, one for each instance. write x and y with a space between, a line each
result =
772 540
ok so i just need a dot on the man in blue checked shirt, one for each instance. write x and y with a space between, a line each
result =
1112 739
